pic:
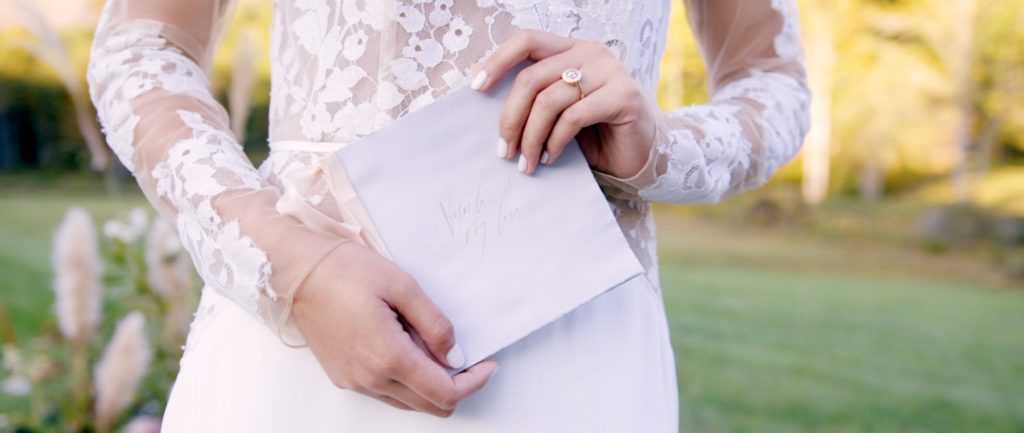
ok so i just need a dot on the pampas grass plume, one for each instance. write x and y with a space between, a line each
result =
121 369
77 268
49 48
142 424
169 273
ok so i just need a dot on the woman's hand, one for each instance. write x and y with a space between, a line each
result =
350 310
613 122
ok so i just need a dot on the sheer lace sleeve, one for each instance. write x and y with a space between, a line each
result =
148 79
757 117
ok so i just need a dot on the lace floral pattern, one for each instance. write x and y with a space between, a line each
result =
134 68
226 258
711 152
787 42
329 86
138 46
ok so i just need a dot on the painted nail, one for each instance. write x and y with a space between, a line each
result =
522 163
455 357
544 157
502 148
479 80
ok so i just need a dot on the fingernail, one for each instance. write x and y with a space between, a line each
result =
545 157
455 357
502 148
493 372
522 163
479 80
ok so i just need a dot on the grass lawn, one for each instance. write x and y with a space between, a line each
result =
768 351
783 332
774 330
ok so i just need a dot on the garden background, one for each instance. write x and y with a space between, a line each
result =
875 285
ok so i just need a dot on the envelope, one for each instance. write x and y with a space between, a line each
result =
502 253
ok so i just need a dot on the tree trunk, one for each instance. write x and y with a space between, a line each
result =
962 60
872 180
816 156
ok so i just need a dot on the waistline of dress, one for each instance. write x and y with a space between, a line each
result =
306 146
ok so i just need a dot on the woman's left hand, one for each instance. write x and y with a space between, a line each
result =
613 123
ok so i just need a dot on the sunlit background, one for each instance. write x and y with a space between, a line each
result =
876 285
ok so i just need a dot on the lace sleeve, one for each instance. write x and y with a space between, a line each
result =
148 79
757 117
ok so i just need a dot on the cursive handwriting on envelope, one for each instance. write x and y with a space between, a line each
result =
474 213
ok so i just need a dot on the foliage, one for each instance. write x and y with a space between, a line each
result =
50 377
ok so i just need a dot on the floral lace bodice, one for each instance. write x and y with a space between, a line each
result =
344 68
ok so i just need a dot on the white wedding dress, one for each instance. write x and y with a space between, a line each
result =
344 68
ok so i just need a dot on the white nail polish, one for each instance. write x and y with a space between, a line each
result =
479 80
502 148
522 163
455 357
545 157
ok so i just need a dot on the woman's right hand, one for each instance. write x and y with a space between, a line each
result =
348 310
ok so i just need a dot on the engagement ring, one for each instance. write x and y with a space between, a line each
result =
573 77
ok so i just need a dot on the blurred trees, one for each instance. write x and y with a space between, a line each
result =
906 91
914 90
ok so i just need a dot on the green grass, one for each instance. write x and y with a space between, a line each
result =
792 330
29 218
775 330
763 350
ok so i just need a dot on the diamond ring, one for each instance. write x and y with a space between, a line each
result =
573 76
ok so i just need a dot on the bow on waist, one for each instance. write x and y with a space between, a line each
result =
299 182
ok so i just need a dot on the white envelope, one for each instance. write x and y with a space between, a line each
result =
502 253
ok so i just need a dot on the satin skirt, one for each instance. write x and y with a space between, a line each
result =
606 367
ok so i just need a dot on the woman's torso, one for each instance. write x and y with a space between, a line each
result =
345 68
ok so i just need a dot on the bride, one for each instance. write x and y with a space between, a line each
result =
303 326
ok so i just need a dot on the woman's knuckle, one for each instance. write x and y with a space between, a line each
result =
340 381
630 94
571 118
520 40
527 78
448 402
404 282
507 125
595 48
443 331
380 364
636 99
391 401
528 36
360 385
613 63
376 381
545 100
391 364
